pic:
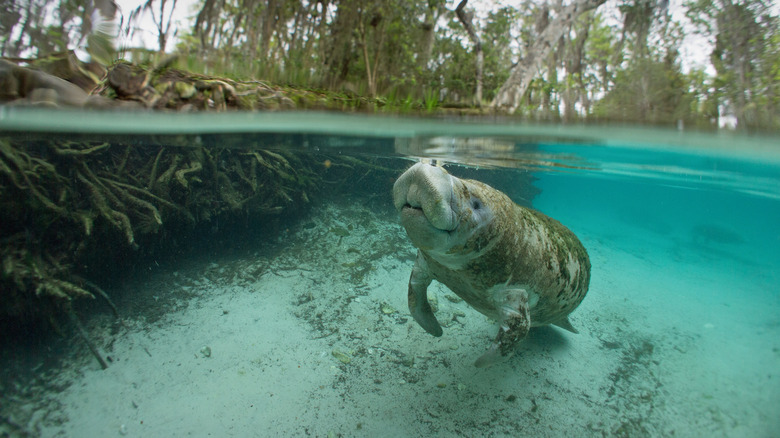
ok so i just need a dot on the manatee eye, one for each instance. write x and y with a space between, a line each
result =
475 204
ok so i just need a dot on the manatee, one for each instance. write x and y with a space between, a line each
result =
511 263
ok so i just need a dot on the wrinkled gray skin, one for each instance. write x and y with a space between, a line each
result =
511 263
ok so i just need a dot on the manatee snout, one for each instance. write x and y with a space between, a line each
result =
425 191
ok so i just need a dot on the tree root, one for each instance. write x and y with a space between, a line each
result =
61 289
79 152
78 192
137 202
153 172
195 166
83 333
116 218
30 271
166 176
24 166
145 192
122 164
103 295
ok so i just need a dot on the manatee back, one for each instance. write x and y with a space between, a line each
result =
554 263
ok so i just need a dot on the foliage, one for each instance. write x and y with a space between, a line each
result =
36 28
745 57
650 92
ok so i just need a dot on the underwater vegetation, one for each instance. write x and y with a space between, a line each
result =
60 198
74 212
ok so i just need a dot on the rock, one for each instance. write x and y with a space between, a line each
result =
37 88
341 357
185 90
65 65
127 80
387 309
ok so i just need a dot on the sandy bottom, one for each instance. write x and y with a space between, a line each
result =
312 337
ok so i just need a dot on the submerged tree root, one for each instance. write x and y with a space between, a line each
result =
74 319
71 210
64 200
104 295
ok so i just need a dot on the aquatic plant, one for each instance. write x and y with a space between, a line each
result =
76 207
81 209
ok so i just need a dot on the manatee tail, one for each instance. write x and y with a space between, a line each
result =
566 324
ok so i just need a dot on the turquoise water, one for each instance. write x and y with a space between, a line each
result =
679 332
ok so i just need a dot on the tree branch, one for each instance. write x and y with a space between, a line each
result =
512 91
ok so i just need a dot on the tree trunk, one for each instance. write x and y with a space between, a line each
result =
511 93
428 36
203 23
337 48
574 69
297 29
313 28
466 19
378 32
269 19
25 31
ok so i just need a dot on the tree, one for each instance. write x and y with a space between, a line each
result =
638 19
161 21
648 91
744 57
466 18
574 91
603 56
497 34
512 91
35 28
376 32
428 32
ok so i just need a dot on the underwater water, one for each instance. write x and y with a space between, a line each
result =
297 324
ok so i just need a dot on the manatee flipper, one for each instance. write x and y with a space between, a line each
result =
513 326
566 325
418 297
